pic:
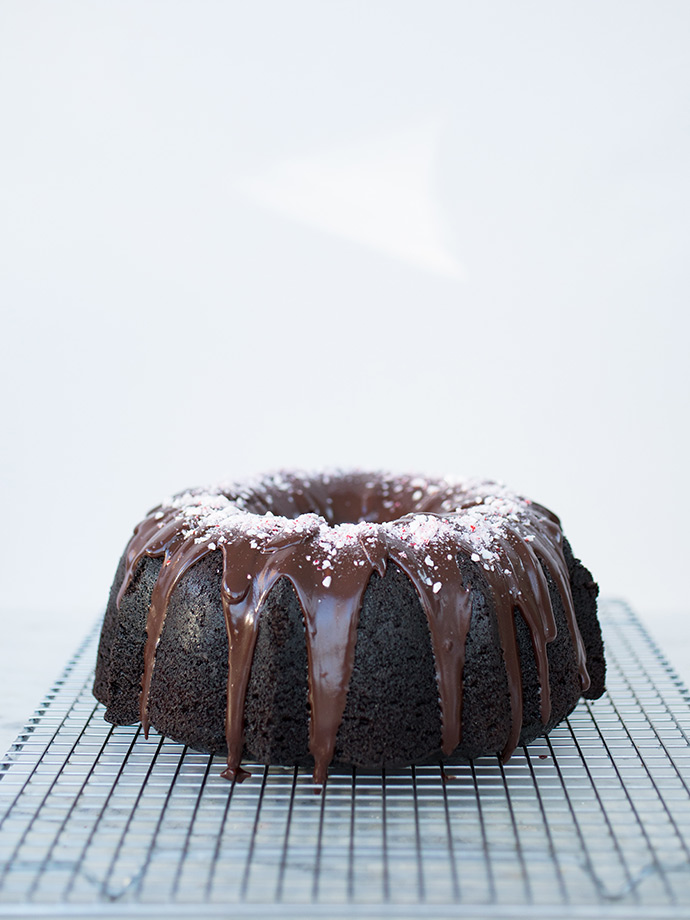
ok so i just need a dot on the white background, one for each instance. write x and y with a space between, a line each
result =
432 236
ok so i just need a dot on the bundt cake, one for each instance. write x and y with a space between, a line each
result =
360 618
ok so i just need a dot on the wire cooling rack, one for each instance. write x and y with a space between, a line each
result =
592 821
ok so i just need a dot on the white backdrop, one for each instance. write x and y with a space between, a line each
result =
434 236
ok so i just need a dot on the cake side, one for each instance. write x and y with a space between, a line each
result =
392 713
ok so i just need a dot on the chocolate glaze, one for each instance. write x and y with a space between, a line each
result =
327 534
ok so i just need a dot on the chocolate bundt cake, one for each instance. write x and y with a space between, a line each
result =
351 617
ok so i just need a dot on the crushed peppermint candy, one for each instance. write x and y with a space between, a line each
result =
476 517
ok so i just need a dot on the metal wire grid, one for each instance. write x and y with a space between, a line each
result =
94 816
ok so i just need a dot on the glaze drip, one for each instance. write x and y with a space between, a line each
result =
327 534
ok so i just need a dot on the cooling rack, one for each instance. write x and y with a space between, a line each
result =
593 821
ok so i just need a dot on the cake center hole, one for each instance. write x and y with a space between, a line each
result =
348 500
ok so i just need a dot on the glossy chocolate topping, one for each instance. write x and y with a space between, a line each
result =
327 534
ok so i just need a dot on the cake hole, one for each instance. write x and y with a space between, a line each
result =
344 499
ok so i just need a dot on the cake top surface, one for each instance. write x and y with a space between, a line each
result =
417 509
